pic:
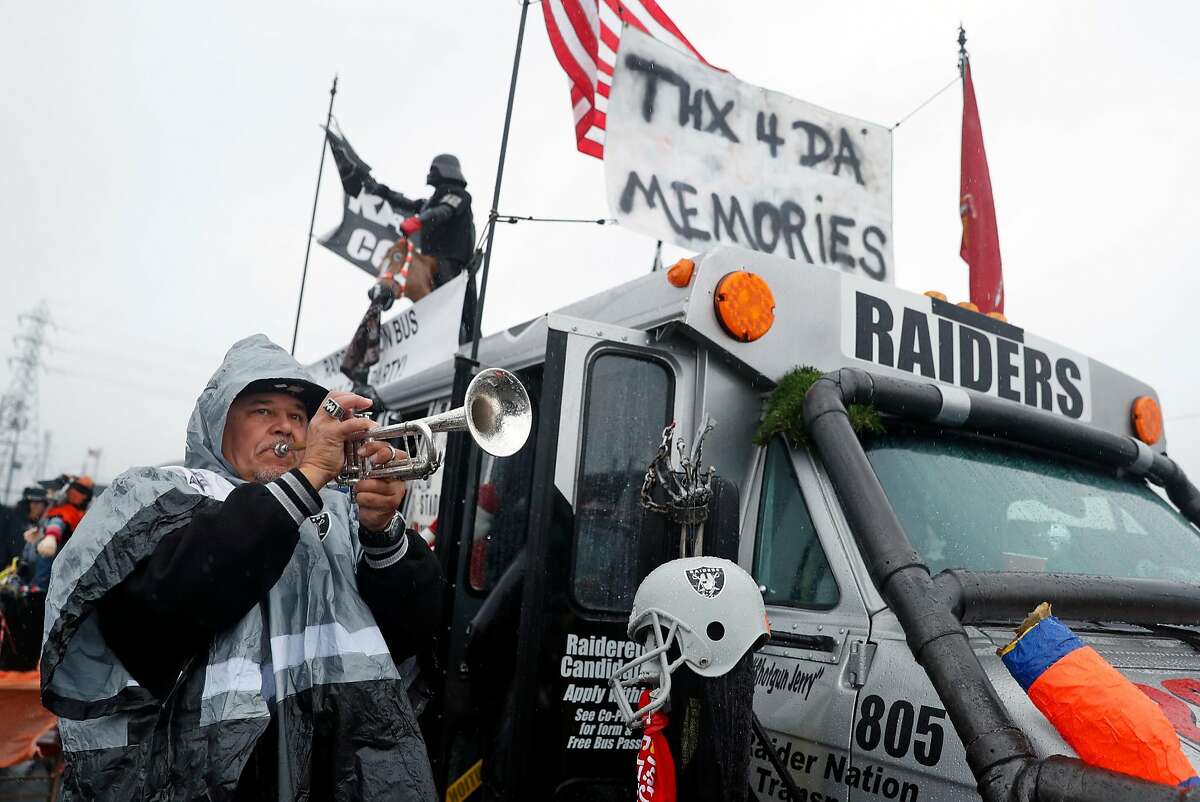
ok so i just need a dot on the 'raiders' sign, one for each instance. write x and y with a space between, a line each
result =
707 580
930 338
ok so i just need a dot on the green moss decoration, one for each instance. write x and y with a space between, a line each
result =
785 410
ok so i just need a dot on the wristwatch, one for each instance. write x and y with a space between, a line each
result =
391 535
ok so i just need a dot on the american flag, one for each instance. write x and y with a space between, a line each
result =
585 35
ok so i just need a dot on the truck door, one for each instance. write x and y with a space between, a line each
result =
807 676
607 394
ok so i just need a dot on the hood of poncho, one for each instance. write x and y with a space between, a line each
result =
253 359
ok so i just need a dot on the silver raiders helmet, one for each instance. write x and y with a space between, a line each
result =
702 611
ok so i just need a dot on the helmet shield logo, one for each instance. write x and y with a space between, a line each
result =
706 580
322 523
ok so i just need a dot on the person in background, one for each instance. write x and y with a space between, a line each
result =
20 602
22 517
61 522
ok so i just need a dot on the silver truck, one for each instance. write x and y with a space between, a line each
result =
1010 471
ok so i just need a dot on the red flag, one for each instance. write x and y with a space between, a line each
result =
585 35
980 238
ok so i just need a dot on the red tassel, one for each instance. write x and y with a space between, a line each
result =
655 766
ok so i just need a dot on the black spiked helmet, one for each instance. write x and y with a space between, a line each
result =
443 168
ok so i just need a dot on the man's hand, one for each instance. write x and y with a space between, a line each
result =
378 499
324 450
47 547
32 535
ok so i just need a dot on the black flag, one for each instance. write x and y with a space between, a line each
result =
370 226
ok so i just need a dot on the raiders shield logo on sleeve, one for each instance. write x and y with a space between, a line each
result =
706 580
322 523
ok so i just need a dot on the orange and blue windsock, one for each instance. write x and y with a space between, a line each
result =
1102 715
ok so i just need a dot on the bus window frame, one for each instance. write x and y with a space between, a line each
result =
599 351
790 455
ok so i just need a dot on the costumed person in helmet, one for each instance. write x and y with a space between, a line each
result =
443 219
444 223
446 231
61 522
230 629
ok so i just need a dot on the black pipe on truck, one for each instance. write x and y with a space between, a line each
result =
976 596
998 753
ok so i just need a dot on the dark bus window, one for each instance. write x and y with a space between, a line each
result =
789 564
627 406
502 502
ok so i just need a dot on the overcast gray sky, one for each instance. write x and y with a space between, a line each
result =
158 163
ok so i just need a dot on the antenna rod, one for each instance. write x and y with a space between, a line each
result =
487 254
312 222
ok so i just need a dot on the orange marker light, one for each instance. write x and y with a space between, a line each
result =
998 316
968 305
680 274
941 296
1147 420
744 305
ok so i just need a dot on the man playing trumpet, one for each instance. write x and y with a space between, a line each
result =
230 629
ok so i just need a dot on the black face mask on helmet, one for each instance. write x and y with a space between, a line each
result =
445 169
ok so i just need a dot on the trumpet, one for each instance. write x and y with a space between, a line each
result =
496 413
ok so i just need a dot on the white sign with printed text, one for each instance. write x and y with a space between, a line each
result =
934 339
415 339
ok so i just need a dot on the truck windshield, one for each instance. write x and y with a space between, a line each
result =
981 505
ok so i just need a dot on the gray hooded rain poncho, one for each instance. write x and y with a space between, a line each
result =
309 660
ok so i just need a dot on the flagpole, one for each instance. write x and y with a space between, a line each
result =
487 254
313 221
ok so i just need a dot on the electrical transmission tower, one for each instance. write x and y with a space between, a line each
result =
19 405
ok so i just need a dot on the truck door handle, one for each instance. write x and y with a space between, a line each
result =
814 643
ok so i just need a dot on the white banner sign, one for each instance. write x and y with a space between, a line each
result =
415 339
696 157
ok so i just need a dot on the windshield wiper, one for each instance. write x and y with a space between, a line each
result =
1185 636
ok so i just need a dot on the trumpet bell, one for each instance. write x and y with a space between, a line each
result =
496 413
499 414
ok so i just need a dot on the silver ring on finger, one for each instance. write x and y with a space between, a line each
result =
333 409
392 455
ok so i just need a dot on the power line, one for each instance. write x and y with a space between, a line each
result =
113 381
514 218
927 101
142 343
182 367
